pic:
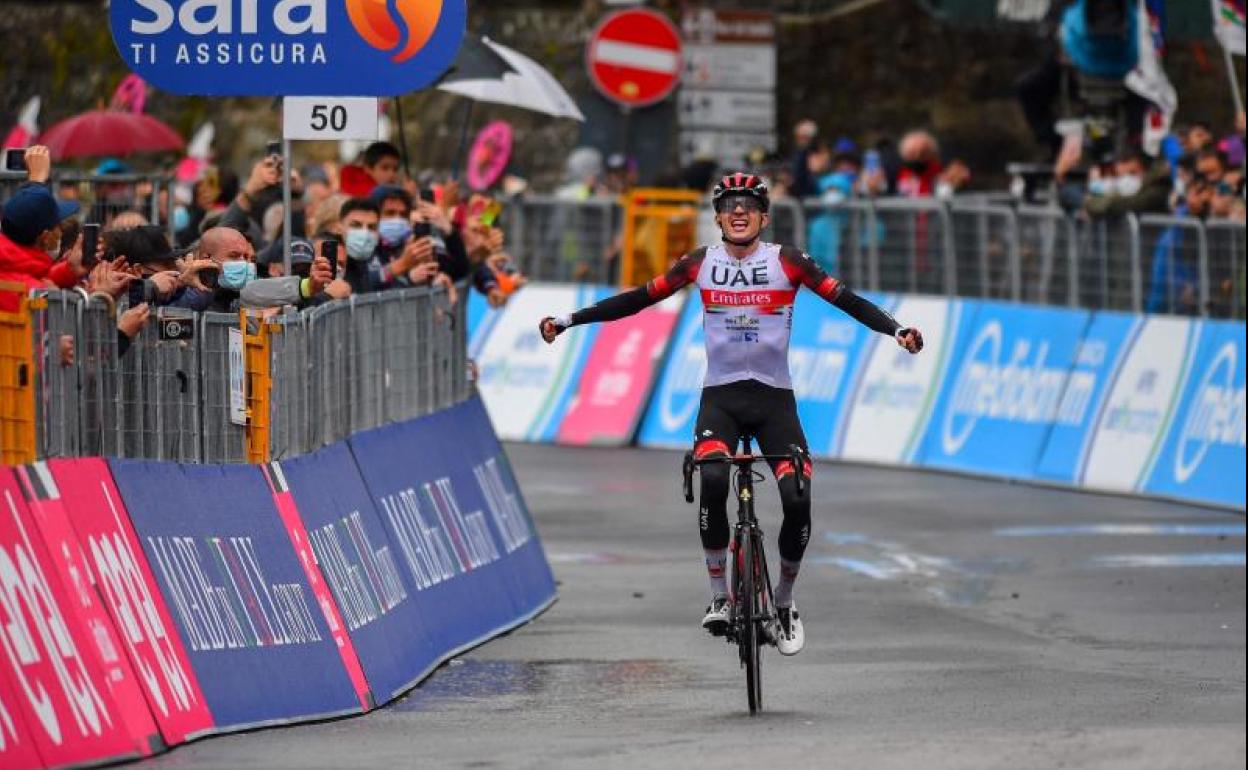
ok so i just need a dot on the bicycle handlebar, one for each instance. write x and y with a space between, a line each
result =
798 457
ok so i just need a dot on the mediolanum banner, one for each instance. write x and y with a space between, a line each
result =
288 47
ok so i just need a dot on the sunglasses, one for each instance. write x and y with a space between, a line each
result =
749 203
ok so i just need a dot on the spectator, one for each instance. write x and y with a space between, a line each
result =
1211 165
379 165
920 159
1197 137
30 230
307 286
836 185
803 183
233 258
581 174
168 281
621 174
325 217
1139 185
359 223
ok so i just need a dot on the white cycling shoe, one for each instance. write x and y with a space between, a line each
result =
788 632
717 616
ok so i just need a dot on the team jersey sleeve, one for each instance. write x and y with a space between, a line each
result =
683 273
803 271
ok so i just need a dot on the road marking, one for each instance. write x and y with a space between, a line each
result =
1065 530
1169 560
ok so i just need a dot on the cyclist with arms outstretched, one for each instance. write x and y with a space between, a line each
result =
748 288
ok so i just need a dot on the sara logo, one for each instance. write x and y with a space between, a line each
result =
1216 415
288 47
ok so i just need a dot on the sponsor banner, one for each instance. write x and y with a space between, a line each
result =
68 565
288 48
1123 444
1105 342
481 320
48 657
892 398
826 355
128 589
618 375
260 647
301 542
527 384
17 748
1004 388
674 406
456 525
1202 456
375 598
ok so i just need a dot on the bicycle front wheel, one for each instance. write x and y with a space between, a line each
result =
748 638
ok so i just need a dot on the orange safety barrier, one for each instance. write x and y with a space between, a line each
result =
660 225
17 374
257 351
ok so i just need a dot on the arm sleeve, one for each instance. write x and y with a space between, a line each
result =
866 312
627 303
62 275
272 292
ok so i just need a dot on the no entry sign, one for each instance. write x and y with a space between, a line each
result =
634 57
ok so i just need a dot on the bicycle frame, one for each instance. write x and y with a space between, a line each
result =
752 607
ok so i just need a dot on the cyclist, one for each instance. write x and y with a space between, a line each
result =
748 288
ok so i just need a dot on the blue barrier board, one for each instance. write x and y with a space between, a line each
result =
223 559
456 523
1003 389
374 596
1202 456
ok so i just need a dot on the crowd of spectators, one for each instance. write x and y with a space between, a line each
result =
358 229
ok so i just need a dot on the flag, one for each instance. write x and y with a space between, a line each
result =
1228 24
27 125
1149 79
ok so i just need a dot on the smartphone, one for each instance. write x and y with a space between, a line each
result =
137 292
490 215
15 159
90 240
421 230
211 279
426 194
273 148
329 250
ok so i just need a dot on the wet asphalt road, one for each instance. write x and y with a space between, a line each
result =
951 623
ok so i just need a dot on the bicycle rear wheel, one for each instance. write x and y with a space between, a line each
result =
748 638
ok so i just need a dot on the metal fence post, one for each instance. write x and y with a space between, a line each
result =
1133 253
1203 255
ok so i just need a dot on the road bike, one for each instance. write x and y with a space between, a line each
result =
752 612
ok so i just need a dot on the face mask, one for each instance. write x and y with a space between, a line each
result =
235 275
393 231
361 244
181 219
1098 186
1128 185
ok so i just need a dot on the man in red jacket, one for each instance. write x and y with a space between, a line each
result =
30 230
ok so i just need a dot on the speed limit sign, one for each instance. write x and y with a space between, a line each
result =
315 117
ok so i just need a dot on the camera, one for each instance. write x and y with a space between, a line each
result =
273 148
15 159
138 292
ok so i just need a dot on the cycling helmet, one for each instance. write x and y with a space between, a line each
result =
741 183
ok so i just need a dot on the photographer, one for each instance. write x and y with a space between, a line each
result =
311 281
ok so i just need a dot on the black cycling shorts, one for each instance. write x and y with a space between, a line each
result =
748 406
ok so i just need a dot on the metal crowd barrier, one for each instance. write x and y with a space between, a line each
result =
330 371
973 246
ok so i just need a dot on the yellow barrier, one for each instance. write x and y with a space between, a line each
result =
259 385
17 374
660 225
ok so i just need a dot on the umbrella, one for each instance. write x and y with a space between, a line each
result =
109 132
198 153
527 85
475 61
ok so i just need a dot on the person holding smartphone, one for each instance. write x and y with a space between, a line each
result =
30 230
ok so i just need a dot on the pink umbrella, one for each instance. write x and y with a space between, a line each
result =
27 125
109 132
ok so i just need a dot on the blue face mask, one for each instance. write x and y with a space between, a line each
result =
393 231
360 244
181 219
235 275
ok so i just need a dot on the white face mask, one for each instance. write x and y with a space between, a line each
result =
1128 184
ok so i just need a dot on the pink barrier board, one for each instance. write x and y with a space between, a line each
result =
132 599
617 378
49 656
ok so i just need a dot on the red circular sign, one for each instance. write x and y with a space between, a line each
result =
634 57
